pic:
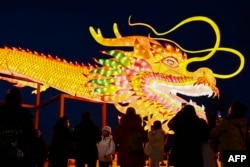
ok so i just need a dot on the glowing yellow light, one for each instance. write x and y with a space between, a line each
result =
148 77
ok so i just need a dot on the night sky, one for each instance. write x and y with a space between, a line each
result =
62 29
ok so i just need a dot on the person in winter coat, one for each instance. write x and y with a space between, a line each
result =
106 148
155 147
190 132
130 136
39 150
86 135
61 144
232 131
16 131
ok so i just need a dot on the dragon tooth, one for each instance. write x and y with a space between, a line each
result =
173 92
210 94
202 107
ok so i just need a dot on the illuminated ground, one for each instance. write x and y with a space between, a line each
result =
71 164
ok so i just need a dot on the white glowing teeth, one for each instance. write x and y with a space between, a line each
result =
173 92
203 107
210 94
191 102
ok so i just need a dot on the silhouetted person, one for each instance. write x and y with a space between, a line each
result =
39 150
155 146
16 131
131 136
86 135
169 144
61 144
190 132
232 131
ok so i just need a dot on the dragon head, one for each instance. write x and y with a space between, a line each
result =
153 76
150 77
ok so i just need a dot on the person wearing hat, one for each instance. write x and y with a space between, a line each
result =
106 148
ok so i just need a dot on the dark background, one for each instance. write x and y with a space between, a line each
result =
61 28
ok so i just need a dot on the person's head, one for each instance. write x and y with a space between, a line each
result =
157 125
130 111
183 105
189 111
86 116
237 110
13 96
64 121
38 133
106 131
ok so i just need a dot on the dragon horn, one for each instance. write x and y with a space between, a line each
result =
127 41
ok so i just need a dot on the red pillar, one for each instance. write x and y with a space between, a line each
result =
61 105
104 114
37 110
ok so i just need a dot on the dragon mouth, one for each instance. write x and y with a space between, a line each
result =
172 96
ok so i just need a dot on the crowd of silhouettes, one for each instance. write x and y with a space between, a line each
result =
23 146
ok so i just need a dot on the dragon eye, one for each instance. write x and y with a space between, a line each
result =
172 62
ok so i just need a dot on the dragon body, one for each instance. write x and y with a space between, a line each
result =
149 77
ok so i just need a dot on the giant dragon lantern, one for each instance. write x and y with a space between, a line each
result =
148 77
